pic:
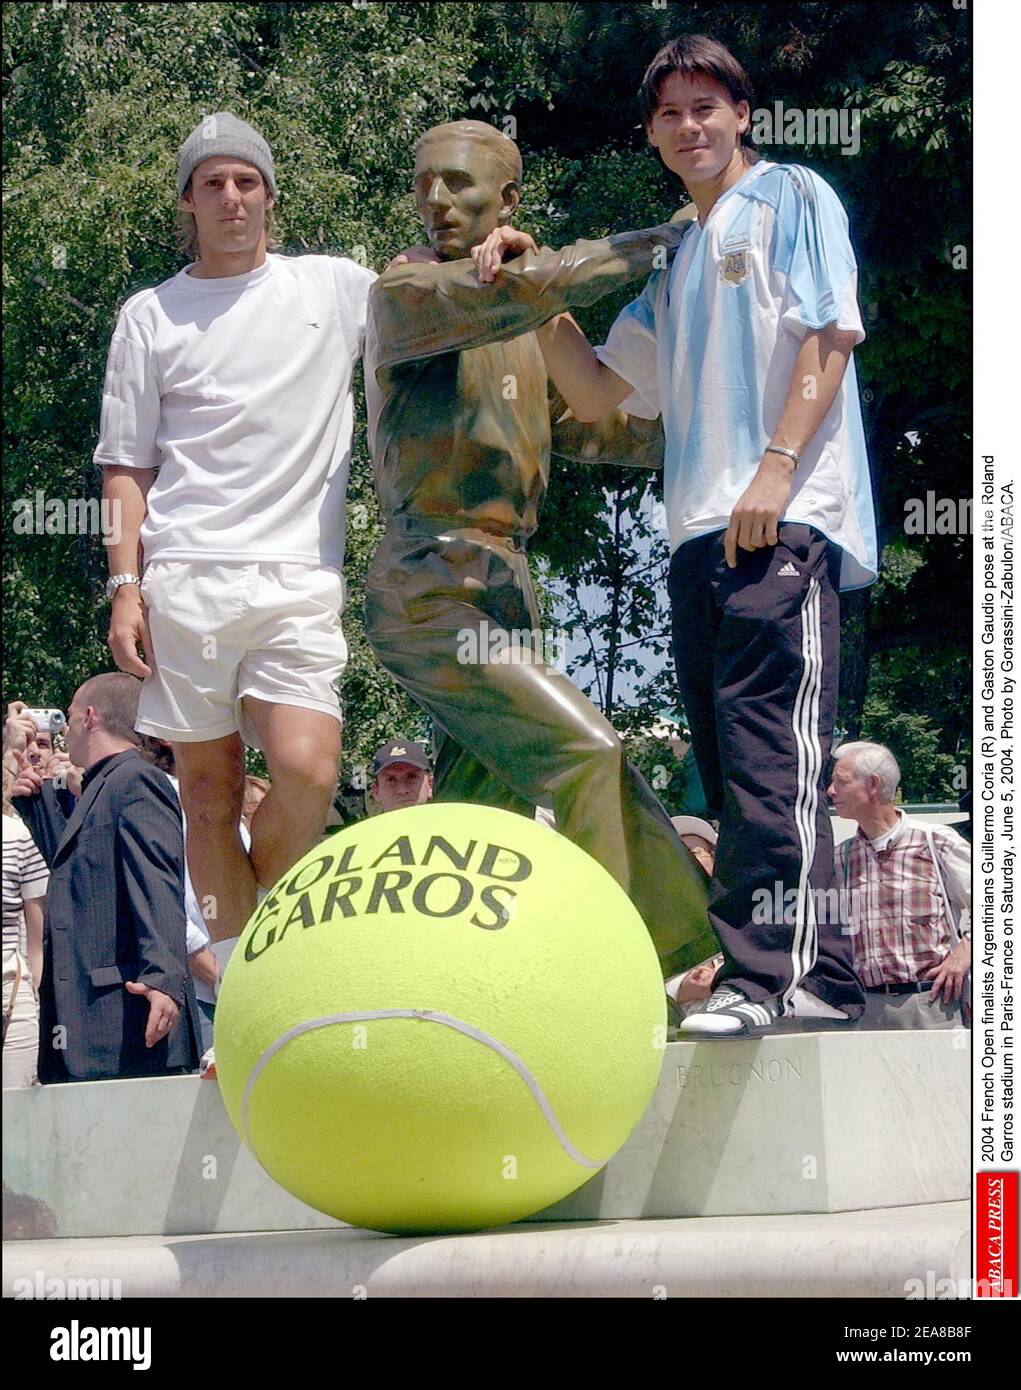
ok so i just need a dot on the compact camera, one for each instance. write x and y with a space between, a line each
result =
47 720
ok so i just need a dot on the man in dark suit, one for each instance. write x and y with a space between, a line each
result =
115 998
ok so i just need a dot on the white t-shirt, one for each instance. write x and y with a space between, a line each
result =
886 839
238 390
711 345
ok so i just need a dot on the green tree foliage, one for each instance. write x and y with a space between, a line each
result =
906 70
97 98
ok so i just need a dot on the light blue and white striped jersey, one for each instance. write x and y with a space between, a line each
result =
711 344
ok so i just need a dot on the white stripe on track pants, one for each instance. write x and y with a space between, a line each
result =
757 650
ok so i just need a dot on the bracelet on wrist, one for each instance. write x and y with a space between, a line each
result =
787 453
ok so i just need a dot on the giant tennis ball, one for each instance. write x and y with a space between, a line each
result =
443 1018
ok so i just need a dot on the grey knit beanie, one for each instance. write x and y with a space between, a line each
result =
224 133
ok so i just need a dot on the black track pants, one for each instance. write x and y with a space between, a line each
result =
757 651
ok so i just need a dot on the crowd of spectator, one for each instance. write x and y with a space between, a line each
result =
122 982
115 994
903 894
108 970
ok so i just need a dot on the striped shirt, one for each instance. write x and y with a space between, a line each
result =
897 910
25 876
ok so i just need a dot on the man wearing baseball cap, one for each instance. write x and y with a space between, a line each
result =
225 443
402 775
701 839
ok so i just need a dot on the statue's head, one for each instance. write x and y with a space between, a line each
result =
467 182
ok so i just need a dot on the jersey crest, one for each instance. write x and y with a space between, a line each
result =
734 265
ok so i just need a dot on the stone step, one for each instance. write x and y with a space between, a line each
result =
814 1122
904 1252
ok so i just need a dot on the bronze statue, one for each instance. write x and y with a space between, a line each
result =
460 434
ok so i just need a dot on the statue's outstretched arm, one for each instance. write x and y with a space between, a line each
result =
419 309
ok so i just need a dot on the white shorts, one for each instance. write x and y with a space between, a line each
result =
221 631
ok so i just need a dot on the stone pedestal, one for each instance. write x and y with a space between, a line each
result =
812 1122
817 1122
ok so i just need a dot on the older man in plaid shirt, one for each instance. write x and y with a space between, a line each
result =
909 889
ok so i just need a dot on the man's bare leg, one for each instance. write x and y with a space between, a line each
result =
302 750
212 777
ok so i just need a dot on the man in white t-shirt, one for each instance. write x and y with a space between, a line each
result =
744 347
225 443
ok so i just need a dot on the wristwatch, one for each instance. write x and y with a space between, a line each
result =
116 580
